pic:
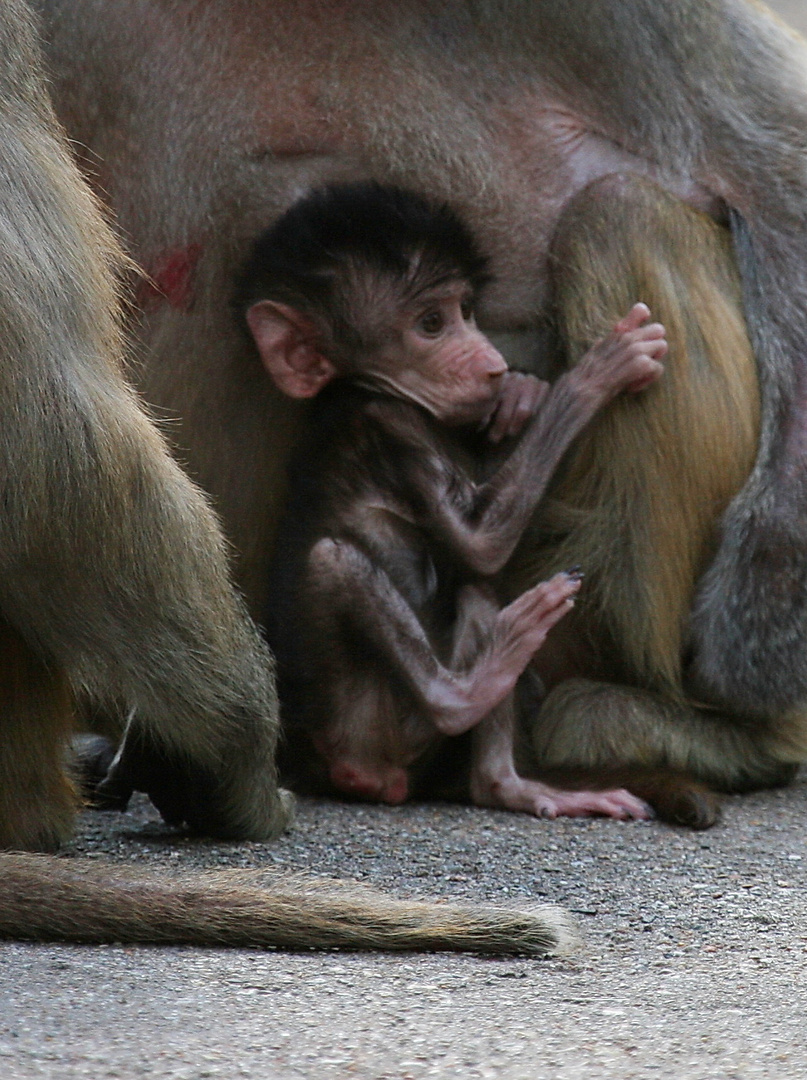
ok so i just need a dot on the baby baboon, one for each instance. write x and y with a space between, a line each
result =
391 634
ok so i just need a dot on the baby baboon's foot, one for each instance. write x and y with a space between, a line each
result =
533 797
615 803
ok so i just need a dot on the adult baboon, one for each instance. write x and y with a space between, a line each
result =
114 582
203 121
113 576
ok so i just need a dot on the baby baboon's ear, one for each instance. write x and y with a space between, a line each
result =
288 347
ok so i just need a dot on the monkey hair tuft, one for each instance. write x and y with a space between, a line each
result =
415 242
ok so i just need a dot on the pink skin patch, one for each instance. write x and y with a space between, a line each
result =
170 279
390 786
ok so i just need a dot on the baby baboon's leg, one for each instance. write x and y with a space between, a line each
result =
366 642
37 801
355 612
494 780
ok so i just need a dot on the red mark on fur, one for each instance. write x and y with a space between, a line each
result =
170 279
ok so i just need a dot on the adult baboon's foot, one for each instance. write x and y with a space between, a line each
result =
229 804
90 759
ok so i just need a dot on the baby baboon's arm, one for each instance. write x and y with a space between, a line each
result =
482 523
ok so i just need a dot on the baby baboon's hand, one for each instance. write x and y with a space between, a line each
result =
629 358
520 396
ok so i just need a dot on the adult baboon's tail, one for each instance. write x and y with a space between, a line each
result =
46 898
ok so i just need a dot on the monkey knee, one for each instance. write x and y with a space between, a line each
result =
626 195
324 554
578 724
599 725
615 188
477 609
603 725
334 560
478 599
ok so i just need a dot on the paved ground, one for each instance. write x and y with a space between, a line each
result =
693 964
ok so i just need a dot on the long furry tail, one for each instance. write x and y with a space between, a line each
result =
46 898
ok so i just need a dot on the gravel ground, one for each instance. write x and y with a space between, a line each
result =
693 963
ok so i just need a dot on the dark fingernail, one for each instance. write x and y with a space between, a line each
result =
574 572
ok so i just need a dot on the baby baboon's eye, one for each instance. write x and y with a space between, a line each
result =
431 323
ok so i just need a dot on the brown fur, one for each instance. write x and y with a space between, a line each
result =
52 899
37 798
114 582
645 485
641 495
508 109
113 571
595 725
